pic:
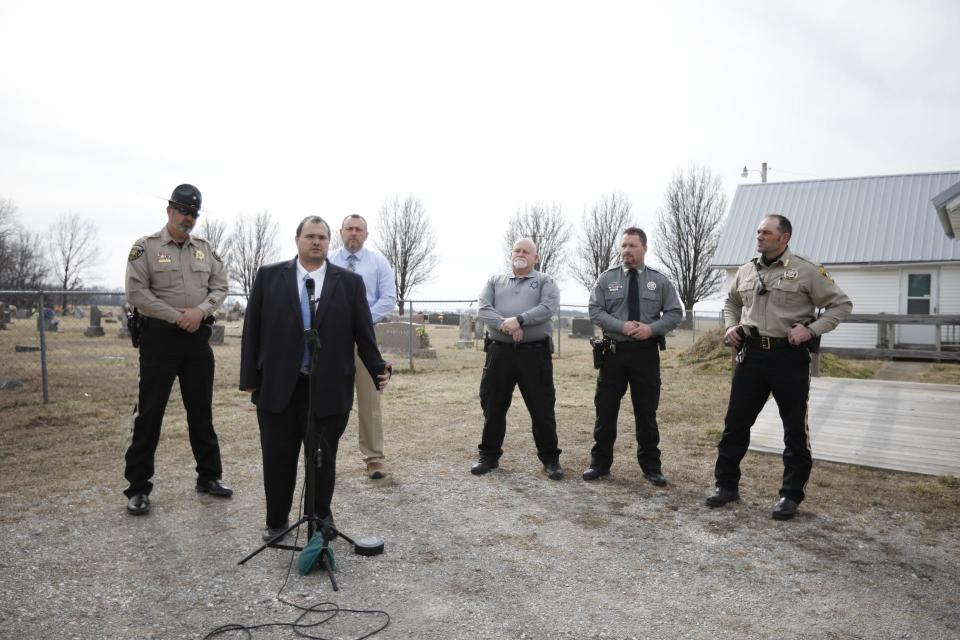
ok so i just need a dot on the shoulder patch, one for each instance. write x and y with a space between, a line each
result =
216 256
824 273
135 252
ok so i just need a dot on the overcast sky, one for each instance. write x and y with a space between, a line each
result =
477 109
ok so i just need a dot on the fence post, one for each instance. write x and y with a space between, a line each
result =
43 352
410 332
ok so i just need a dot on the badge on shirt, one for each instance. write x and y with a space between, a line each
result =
652 285
613 286
534 284
135 252
198 255
791 274
163 258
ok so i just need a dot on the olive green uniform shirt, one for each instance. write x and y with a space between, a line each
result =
162 276
796 288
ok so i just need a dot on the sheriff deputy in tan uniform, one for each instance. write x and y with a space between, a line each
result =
176 281
771 317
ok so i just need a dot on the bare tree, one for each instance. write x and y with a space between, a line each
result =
22 264
688 229
599 236
544 224
214 231
407 240
72 251
26 268
252 244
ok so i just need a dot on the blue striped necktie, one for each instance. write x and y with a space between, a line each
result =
305 314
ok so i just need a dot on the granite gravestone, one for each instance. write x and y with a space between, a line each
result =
94 330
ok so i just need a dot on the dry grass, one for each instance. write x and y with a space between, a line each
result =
433 410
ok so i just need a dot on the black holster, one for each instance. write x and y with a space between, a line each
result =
134 326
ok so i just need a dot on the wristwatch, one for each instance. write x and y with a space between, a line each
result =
520 320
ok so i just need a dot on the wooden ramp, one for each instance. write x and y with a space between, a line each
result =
907 426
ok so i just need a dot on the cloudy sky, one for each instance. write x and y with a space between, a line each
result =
476 108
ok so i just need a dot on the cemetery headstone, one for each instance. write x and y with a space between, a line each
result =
94 330
216 334
581 328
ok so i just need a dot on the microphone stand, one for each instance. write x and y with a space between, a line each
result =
313 459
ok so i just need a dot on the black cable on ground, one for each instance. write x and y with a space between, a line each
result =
329 609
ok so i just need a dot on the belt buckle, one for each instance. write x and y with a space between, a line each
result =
765 343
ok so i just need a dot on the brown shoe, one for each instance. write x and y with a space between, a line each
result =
375 471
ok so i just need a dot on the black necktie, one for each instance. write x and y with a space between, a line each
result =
633 296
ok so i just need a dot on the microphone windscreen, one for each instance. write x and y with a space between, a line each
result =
309 284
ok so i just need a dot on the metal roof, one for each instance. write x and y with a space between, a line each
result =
875 219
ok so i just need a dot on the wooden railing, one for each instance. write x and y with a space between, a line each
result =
886 337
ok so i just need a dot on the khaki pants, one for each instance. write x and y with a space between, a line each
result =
370 418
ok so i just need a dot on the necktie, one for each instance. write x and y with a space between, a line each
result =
633 296
352 262
305 314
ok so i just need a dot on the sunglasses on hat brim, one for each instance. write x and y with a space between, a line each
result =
184 210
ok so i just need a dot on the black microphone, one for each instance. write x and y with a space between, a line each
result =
311 287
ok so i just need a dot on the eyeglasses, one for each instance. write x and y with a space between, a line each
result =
185 211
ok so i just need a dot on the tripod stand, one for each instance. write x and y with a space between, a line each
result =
317 458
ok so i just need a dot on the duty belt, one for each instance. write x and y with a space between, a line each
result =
633 345
539 344
767 343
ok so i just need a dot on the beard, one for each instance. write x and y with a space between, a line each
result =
520 263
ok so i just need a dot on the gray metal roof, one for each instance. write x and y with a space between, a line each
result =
845 220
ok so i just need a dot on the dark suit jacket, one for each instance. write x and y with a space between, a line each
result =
273 339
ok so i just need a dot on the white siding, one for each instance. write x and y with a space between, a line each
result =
874 290
949 289
949 300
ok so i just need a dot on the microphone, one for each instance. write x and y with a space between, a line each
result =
311 287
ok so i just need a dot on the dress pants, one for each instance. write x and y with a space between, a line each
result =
167 353
637 365
281 435
369 416
530 366
784 372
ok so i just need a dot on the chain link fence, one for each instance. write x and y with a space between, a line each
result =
62 346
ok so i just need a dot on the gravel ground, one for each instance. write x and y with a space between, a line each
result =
511 555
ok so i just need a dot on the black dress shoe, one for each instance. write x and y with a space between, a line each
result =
722 496
269 533
215 488
138 505
656 478
483 466
594 472
553 470
784 509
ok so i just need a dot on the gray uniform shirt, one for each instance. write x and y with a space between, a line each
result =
660 305
534 297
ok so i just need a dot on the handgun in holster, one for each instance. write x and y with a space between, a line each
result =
134 326
486 342
600 347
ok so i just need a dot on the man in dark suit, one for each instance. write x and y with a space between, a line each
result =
276 369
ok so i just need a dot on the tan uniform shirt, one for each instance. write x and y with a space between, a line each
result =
796 288
162 276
